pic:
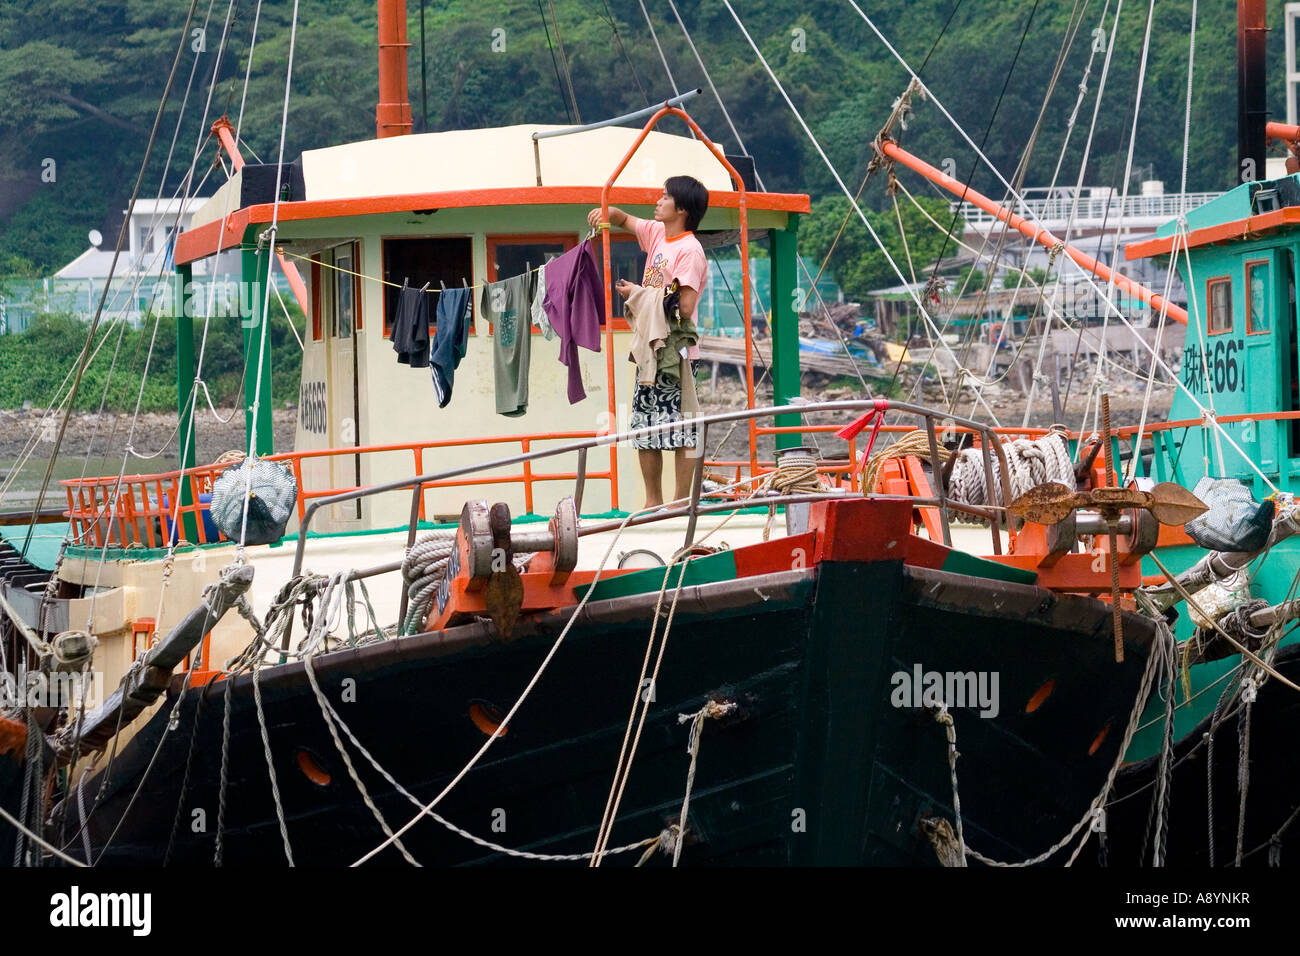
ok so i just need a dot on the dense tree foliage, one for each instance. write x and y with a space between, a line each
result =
81 83
33 363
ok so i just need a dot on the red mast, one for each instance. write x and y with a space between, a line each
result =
393 114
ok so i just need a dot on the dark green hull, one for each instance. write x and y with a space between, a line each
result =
815 766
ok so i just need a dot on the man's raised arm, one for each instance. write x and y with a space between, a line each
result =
617 218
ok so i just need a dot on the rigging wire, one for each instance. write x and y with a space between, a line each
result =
1087 277
758 179
613 26
564 61
187 180
1018 178
263 318
248 72
1053 312
1078 187
1097 382
202 140
840 182
424 79
117 252
997 105
554 62
662 59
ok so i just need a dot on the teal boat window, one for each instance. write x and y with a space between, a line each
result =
1218 293
1257 304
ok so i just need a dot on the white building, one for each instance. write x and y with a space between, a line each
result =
145 261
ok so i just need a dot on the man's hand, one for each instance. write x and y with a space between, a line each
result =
623 287
617 217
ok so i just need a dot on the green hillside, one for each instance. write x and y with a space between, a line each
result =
82 81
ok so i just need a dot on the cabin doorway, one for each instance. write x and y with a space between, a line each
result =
344 320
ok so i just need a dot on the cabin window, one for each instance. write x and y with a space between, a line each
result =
335 293
513 255
345 314
442 261
317 290
1257 300
1218 294
509 256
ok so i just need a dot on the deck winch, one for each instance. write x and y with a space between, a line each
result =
487 541
482 576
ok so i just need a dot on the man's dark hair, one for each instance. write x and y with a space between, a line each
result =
690 196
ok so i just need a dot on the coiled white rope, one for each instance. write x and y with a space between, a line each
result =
423 571
1030 462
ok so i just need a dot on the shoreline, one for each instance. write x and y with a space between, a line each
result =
102 437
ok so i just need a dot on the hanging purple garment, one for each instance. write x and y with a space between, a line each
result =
574 303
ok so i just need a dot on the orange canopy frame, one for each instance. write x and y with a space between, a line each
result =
667 110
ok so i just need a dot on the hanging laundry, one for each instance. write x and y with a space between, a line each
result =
681 258
539 308
574 297
411 327
645 313
508 306
682 337
450 338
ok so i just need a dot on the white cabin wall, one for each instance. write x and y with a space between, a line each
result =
398 404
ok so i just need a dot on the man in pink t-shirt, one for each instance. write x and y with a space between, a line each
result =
672 252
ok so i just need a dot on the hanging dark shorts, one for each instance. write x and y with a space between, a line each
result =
660 404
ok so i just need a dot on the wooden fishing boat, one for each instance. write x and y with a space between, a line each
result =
797 696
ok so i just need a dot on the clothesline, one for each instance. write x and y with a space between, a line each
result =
397 285
361 275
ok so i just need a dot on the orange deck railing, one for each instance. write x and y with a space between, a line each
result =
139 510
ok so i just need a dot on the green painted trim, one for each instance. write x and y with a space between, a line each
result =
153 554
783 248
187 448
959 562
255 273
706 570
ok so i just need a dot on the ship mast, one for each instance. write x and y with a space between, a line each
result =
1252 110
393 112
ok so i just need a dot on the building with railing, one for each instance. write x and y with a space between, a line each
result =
1090 210
141 276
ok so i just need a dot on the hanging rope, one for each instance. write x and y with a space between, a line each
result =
713 709
1092 816
950 731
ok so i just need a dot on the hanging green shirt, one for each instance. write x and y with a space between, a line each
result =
507 305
